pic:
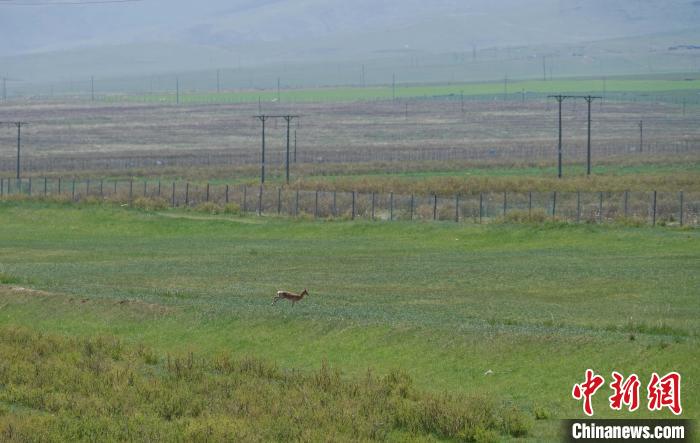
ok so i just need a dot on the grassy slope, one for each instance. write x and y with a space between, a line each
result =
535 304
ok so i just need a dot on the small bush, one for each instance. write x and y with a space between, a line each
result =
150 204
541 413
7 279
232 208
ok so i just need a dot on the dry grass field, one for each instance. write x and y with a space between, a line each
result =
80 136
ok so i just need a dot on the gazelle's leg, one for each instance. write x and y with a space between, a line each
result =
274 300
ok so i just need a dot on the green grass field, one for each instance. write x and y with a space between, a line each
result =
613 86
515 313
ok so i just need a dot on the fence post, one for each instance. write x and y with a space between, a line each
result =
554 204
335 207
316 205
226 195
172 203
59 185
30 186
145 188
653 223
578 206
434 206
260 195
102 194
73 191
391 206
505 202
187 194
626 198
158 187
681 214
245 198
207 198
600 208
279 201
353 206
412 205
481 206
456 208
115 185
296 204
2 186
529 203
372 212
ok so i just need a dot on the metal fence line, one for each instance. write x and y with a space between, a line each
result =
652 207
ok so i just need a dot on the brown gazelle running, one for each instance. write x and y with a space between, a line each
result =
290 296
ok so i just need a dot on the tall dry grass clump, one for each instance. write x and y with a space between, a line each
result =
56 388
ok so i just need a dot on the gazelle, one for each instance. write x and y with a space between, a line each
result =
290 296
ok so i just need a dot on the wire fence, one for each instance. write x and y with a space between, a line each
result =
652 207
573 151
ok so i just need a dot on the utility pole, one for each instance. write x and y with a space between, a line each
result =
262 118
544 68
19 144
218 81
560 99
641 135
589 99
461 98
279 98
505 87
4 89
18 125
92 88
288 119
393 87
364 82
177 90
605 87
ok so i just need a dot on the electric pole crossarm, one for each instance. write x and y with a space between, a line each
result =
263 118
560 99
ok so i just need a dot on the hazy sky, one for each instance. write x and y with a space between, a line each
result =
164 36
43 25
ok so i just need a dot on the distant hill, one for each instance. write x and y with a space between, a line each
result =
40 43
